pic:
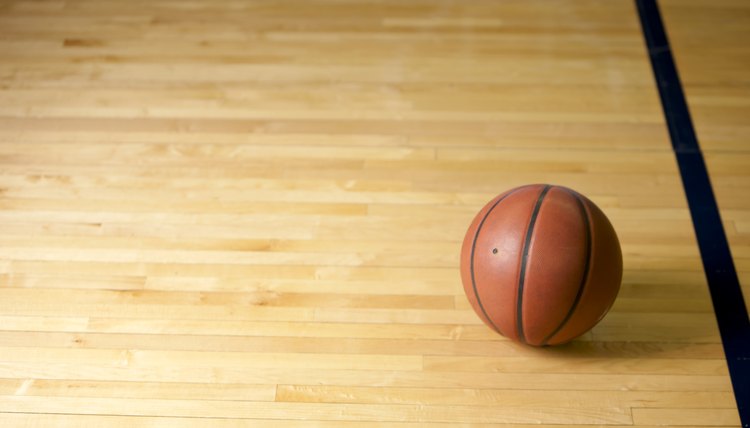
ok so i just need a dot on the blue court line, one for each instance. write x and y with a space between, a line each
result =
723 283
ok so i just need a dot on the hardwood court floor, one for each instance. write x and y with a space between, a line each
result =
710 44
229 213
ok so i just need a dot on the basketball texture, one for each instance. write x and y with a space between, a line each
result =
541 264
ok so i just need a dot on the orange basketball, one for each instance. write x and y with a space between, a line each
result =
541 264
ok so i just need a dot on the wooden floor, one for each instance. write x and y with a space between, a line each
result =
229 213
710 39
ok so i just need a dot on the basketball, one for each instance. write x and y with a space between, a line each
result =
541 264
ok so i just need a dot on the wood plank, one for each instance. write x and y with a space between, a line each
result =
315 411
142 390
490 397
182 359
75 421
704 417
383 378
499 346
582 365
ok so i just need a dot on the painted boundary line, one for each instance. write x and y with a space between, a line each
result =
723 283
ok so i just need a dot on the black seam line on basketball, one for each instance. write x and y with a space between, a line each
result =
471 260
586 267
524 261
721 275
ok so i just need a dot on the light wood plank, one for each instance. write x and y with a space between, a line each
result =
319 411
490 397
703 417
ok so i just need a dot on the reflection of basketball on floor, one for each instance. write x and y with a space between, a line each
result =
541 264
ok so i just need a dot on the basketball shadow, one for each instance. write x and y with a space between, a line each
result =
656 315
